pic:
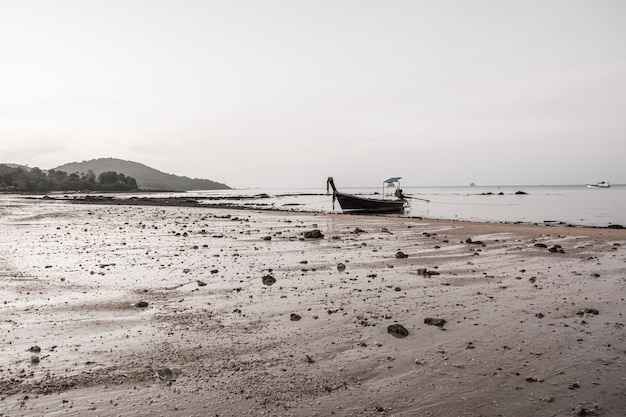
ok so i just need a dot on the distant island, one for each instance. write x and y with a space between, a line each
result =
104 174
148 179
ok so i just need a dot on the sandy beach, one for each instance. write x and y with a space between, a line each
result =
115 310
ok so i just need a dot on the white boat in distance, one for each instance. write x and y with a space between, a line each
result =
602 184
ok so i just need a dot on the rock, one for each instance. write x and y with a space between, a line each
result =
592 311
434 322
268 280
473 242
267 238
397 330
556 249
615 226
167 374
295 317
541 245
341 267
426 273
313 234
34 359
357 231
201 283
401 255
520 193
581 410
142 304
35 349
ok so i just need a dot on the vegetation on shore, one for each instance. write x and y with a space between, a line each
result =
34 180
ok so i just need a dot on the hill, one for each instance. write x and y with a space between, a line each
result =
147 178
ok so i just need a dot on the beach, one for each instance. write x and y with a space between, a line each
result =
117 310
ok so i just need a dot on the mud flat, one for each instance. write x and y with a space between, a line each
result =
116 310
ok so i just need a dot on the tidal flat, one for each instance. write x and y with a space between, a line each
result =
116 310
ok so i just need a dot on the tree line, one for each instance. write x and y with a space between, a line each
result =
34 180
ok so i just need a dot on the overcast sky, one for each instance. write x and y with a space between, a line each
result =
281 94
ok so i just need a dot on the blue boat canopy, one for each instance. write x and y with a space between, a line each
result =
392 180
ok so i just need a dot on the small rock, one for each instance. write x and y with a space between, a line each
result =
401 255
167 374
313 234
295 317
434 322
201 283
35 349
341 267
592 311
397 330
268 280
142 304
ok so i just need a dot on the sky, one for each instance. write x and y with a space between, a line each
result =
284 93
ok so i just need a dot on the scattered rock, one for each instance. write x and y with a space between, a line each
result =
426 273
581 410
434 322
295 317
556 249
268 280
167 374
313 234
397 330
592 311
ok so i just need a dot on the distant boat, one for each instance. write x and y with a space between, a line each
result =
602 184
354 204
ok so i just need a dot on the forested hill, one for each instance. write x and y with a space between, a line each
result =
147 178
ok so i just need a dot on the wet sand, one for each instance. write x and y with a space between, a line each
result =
116 310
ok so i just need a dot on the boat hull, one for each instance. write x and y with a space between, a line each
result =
354 204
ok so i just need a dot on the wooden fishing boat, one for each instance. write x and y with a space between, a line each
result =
356 204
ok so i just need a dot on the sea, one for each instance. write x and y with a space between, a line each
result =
575 205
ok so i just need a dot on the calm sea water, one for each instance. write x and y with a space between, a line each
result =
576 205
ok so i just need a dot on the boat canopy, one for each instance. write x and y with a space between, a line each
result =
392 180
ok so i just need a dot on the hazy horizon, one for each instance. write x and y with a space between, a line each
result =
284 93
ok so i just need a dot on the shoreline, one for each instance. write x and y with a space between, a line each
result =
165 309
194 202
